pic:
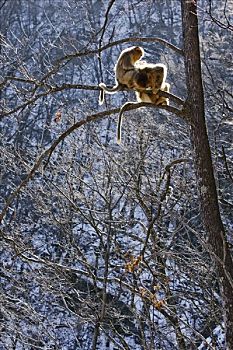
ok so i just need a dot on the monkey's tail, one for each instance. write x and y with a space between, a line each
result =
111 90
122 110
119 127
101 96
104 89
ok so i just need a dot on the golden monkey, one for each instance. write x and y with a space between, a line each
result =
124 71
156 77
150 76
148 79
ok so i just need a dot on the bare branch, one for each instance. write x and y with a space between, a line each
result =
122 41
128 106
65 86
85 52
48 152
174 98
94 117
51 90
226 164
228 25
103 29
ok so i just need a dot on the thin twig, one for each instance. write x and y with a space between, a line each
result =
51 90
91 118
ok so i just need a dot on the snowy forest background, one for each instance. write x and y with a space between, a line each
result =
102 246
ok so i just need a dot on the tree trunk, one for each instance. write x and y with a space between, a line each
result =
212 222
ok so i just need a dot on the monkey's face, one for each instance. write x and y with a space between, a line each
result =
137 53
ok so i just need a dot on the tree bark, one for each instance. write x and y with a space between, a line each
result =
211 218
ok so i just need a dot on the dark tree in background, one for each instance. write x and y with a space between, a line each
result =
108 247
217 238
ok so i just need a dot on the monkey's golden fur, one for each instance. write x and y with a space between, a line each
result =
149 79
150 97
124 71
